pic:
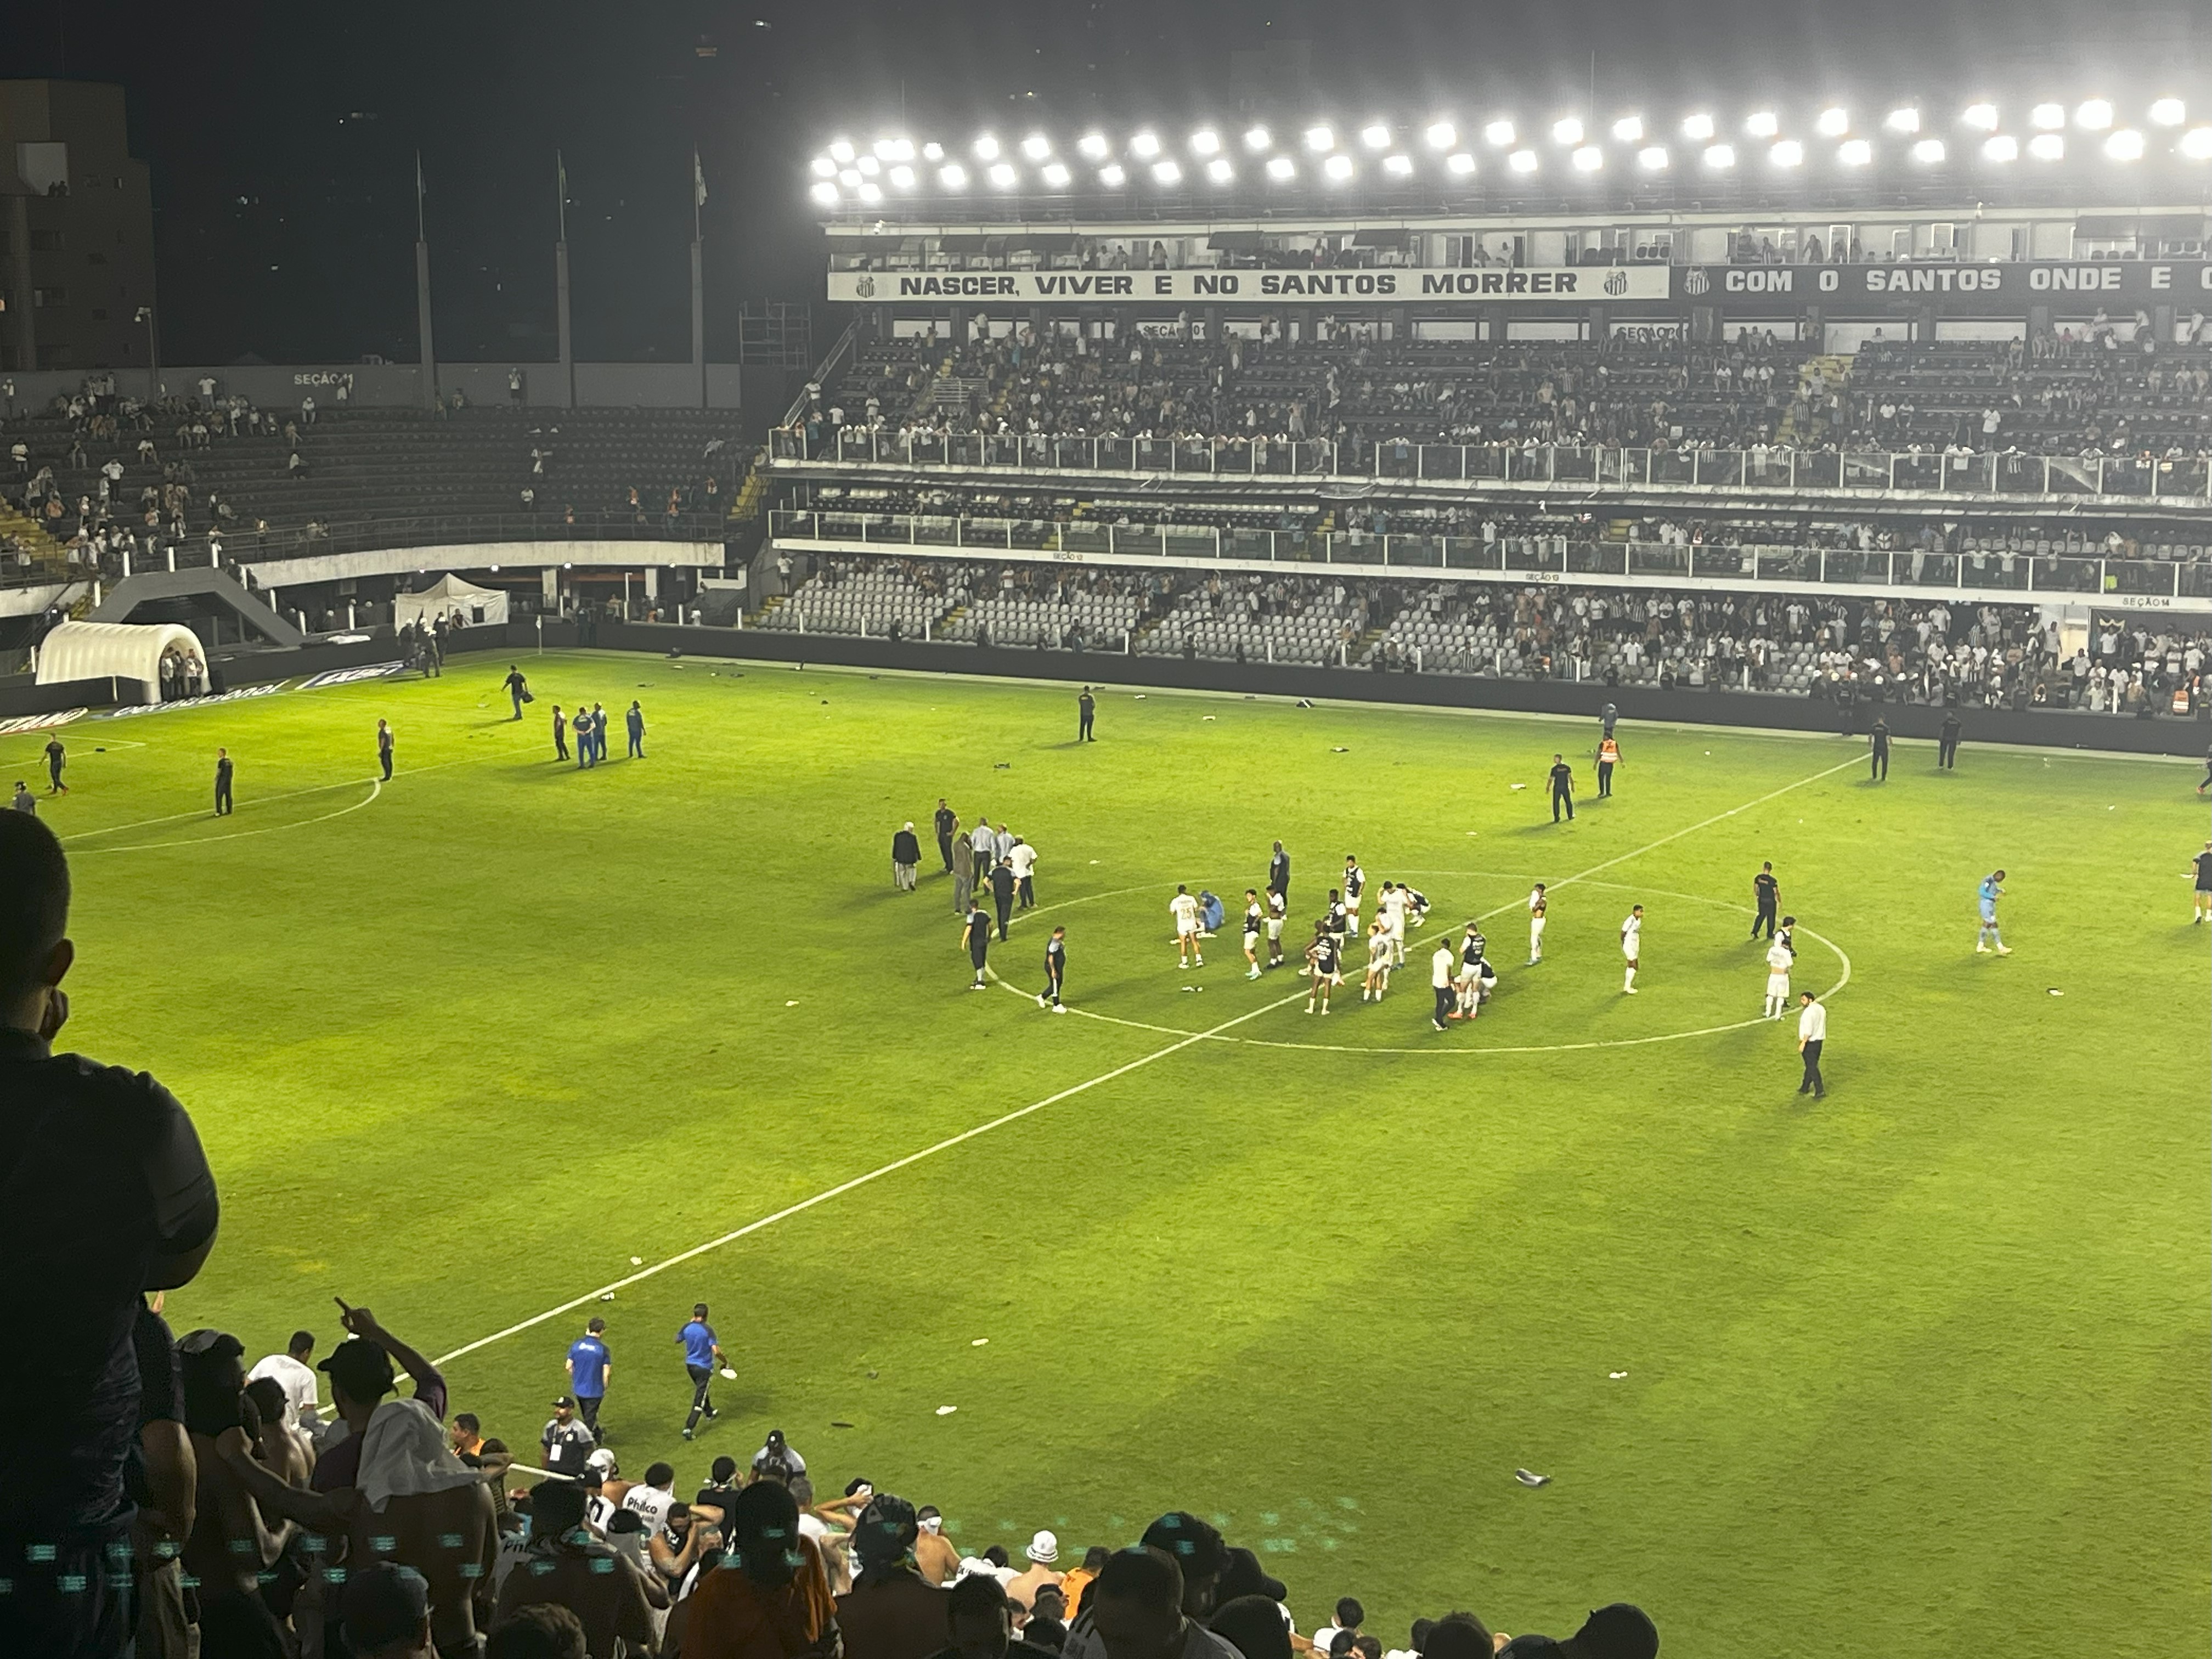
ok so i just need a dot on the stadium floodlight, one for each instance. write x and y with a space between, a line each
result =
903 176
2094 116
1589 158
2196 143
824 167
883 148
1321 139
850 178
1459 163
953 176
1927 151
2002 148
1166 173
1983 116
932 152
1787 154
1835 121
1652 158
1219 170
1855 152
1567 132
986 149
1375 137
1093 146
1112 177
1145 146
869 166
2047 147
872 193
1205 142
1765 125
1257 139
1499 133
2125 145
1442 135
1720 155
1698 128
842 152
1902 120
1398 166
1338 167
1002 175
1037 146
1282 169
2048 118
1629 130
2169 112
826 194
1521 161
1057 175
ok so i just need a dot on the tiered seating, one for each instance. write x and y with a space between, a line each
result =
1019 616
1307 626
2060 401
871 596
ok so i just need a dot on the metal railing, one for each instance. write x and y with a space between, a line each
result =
2109 476
2151 582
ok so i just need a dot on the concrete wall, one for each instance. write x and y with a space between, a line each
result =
398 385
486 555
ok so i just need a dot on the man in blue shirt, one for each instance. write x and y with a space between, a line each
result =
634 722
702 1353
589 1367
1986 896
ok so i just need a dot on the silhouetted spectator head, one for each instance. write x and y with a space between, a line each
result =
1459 1636
360 1371
557 1509
764 1533
1253 1625
980 1617
885 1534
1350 1615
540 1631
1137 1605
1198 1553
1617 1630
35 952
1244 1575
386 1610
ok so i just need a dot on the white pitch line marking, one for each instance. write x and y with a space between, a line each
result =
375 788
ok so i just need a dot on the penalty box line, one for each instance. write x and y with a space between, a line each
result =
1021 1112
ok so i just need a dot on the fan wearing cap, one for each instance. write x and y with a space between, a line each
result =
981 1622
1143 1607
565 1565
385 1610
1043 1551
891 1611
567 1438
770 1598
1617 1631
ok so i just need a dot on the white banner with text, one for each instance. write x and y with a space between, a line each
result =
1585 285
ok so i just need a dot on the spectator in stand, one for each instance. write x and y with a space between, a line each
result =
769 1598
231 1544
566 1566
1139 1609
567 1440
933 1552
386 1613
1615 1631
1350 1615
1043 1553
292 1372
1253 1625
891 1611
1459 1636
163 1481
1073 1586
540 1631
981 1622
77 1141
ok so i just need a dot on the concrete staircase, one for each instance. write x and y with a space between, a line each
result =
1834 371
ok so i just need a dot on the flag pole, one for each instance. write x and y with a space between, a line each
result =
428 349
698 279
560 284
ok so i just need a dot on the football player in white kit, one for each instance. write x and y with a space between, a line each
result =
1377 980
1536 903
1277 910
1779 959
1392 906
1632 943
1254 916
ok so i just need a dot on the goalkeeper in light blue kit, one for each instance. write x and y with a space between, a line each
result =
1988 894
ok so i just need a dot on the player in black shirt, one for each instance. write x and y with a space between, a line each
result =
2204 863
1947 741
1334 923
1563 789
57 757
977 936
1086 707
1767 893
223 775
1278 872
1324 956
1002 893
1055 971
947 825
1878 757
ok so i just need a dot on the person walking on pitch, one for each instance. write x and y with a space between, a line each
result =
223 772
1766 893
1563 789
1086 709
384 746
906 857
518 692
963 874
1631 945
1947 741
1985 898
1184 909
1443 966
57 757
1055 971
977 936
1278 873
947 823
1538 904
1023 859
1355 884
1003 887
1878 757
560 734
2202 865
1779 959
701 1354
1606 717
1811 1035
1608 756
633 724
1254 918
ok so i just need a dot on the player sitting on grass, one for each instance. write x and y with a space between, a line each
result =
1377 980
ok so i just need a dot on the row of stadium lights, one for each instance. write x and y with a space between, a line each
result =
894 162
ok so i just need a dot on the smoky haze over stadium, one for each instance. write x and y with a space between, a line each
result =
706 712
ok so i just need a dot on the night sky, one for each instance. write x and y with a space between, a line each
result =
281 137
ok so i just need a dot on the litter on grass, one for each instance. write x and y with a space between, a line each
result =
979 1341
947 1411
1616 1376
2056 991
1339 750
1528 1478
637 1261
834 1423
1517 786
1205 717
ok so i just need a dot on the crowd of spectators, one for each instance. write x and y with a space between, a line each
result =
163 1494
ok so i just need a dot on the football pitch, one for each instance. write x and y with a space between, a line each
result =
1922 1364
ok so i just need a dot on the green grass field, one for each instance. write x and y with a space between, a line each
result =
1922 1366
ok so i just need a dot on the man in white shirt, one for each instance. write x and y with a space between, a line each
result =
653 1498
1632 941
296 1376
1812 1032
1536 906
1443 970
1023 858
1392 907
1184 909
1779 959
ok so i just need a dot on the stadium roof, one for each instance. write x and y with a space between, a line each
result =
1771 156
